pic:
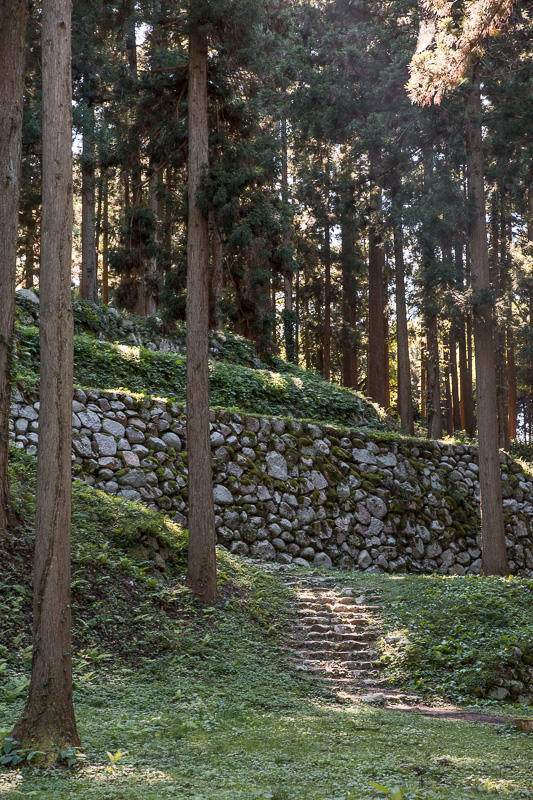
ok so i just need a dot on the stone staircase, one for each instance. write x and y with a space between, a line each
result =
335 636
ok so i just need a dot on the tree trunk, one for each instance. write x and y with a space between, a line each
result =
377 347
89 275
135 163
217 275
448 393
434 412
201 573
423 379
494 551
29 253
405 398
499 280
105 241
465 375
327 301
13 19
47 722
349 289
511 381
154 279
457 423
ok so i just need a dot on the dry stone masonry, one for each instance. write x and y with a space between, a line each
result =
294 491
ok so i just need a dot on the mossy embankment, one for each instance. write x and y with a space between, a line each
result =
113 350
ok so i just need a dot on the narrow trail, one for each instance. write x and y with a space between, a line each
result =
335 638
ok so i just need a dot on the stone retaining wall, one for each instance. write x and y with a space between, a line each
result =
298 491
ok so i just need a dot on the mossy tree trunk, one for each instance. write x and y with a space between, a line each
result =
13 19
201 573
47 722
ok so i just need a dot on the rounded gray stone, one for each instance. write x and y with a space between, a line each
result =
222 495
322 560
172 440
106 445
263 550
364 560
113 427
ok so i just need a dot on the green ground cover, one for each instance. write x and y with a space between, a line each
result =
285 390
174 700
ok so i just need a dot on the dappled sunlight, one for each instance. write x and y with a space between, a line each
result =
129 352
124 773
11 783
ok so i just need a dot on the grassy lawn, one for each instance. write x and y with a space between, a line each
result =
174 700
229 722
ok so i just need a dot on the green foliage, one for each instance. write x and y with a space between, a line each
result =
455 636
290 391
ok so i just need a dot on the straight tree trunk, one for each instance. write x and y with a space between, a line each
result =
377 346
327 300
511 380
153 282
135 165
349 289
89 275
105 241
13 20
423 379
289 325
29 253
434 412
494 551
448 394
47 722
201 572
465 375
405 398
457 423
530 239
307 342
217 275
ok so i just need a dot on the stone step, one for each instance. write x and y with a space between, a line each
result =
355 643
340 655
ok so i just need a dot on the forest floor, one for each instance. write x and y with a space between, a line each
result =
174 700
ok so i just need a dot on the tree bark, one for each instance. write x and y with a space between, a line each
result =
465 375
349 290
13 20
434 412
105 241
48 721
29 253
423 379
327 302
457 424
377 347
201 572
448 392
494 551
217 275
154 278
89 274
405 398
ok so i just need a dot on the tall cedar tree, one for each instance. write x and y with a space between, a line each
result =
201 572
13 20
430 77
47 723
